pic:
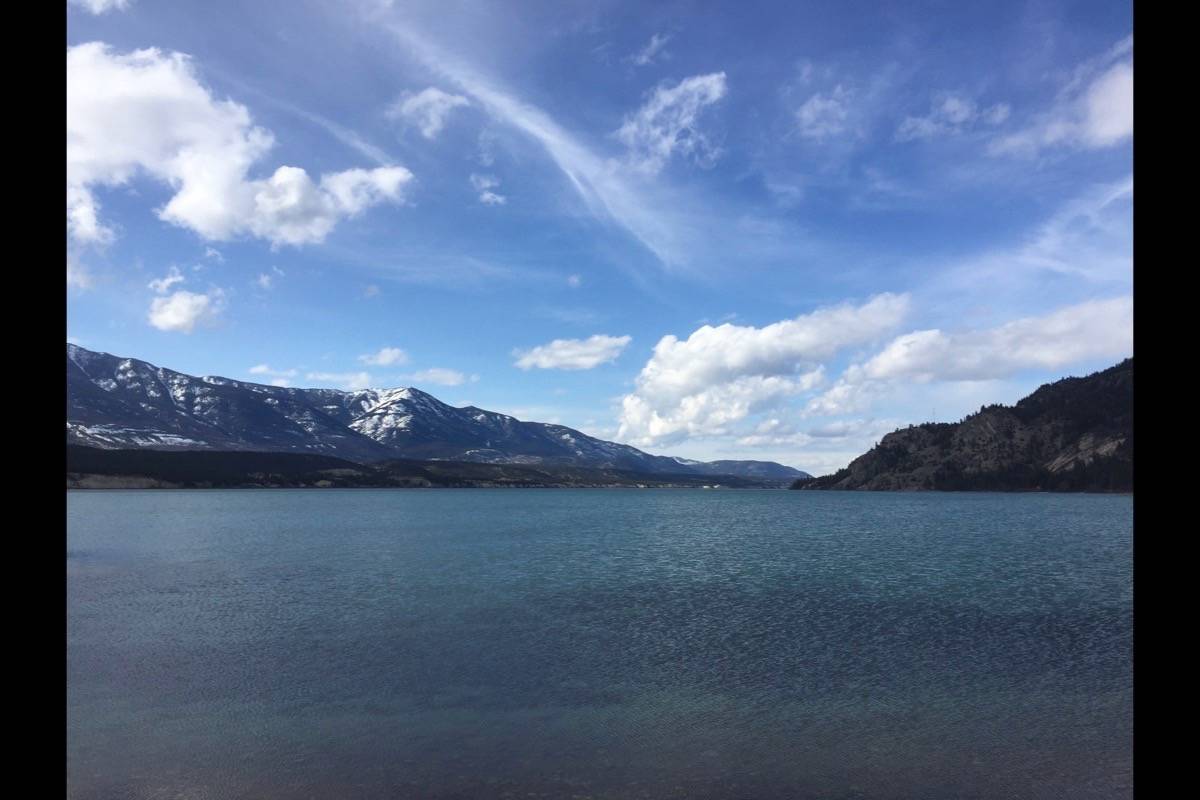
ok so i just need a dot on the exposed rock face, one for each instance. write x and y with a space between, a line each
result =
1072 435
123 403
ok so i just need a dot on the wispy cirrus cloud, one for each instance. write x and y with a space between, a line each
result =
1089 237
101 6
350 381
602 183
1093 110
653 51
440 376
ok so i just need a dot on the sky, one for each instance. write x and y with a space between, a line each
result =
759 230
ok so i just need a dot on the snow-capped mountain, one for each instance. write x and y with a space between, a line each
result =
122 403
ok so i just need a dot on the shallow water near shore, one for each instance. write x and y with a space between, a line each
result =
598 643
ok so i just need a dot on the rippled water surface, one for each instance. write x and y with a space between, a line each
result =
598 644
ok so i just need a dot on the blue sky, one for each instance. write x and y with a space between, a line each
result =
762 230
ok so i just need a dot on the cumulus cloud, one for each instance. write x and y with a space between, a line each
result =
290 209
667 123
719 375
146 113
1091 330
162 285
386 357
573 353
484 185
100 6
183 310
652 51
427 110
950 114
1095 110
441 377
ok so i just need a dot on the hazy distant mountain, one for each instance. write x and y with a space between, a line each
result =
1072 435
123 403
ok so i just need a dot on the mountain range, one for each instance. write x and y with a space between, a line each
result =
116 403
1075 434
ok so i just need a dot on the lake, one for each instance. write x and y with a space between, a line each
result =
598 644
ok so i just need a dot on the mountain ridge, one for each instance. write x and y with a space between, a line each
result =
117 403
1074 434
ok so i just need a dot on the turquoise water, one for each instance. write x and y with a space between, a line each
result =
598 643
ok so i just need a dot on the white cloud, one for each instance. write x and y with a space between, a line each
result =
101 6
574 281
709 411
652 51
1095 110
822 116
183 310
836 111
386 357
949 115
1097 329
266 280
484 185
78 275
718 375
371 291
442 377
573 353
350 381
846 396
290 209
146 113
1071 335
162 285
1108 107
427 109
600 183
214 253
279 376
666 123
1090 237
